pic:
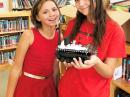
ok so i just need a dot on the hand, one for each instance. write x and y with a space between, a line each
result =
67 65
79 64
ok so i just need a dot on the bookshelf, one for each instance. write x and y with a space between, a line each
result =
121 83
128 48
20 5
12 25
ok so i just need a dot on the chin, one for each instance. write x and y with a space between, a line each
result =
85 13
52 25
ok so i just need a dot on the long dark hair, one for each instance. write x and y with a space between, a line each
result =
99 15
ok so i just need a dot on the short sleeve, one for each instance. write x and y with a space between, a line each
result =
117 46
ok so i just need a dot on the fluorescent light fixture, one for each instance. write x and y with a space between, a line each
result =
115 1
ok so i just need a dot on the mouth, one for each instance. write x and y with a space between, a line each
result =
86 8
53 19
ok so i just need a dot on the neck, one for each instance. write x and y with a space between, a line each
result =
47 32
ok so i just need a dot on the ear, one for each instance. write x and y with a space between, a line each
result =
37 17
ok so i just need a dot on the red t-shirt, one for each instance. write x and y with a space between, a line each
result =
87 82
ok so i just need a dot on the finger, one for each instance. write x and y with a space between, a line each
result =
64 62
86 62
76 66
80 61
76 62
58 60
72 63
69 64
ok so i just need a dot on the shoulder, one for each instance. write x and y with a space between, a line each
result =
69 27
113 27
28 36
72 21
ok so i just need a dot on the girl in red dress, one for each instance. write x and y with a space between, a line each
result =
32 72
92 25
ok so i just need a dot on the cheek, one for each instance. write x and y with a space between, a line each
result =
38 18
41 17
76 6
58 13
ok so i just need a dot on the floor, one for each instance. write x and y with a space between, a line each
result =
3 82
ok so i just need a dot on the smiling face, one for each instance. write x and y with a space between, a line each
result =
87 8
83 6
48 14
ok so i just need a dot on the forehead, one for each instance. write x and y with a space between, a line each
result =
82 0
48 4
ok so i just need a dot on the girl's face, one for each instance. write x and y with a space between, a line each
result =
83 6
48 14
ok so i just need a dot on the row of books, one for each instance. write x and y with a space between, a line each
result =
5 57
9 40
22 4
13 24
126 68
27 4
61 2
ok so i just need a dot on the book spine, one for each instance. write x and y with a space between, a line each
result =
123 67
128 70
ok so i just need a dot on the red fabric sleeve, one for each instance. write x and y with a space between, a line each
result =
117 44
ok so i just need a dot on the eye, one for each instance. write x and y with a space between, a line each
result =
76 0
45 12
54 9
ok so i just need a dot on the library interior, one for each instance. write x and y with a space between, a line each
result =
15 18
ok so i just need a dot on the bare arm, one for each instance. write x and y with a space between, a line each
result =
24 42
105 69
56 72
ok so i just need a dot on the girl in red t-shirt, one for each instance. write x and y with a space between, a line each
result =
91 78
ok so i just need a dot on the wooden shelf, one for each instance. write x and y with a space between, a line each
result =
12 32
8 48
15 14
122 84
128 48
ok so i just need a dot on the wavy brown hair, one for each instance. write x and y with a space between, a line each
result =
98 14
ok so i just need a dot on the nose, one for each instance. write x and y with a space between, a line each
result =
51 13
83 3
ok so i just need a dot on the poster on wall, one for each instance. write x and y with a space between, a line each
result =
4 6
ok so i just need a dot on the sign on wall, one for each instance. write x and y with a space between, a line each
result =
4 6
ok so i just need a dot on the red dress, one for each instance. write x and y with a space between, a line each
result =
39 60
87 82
